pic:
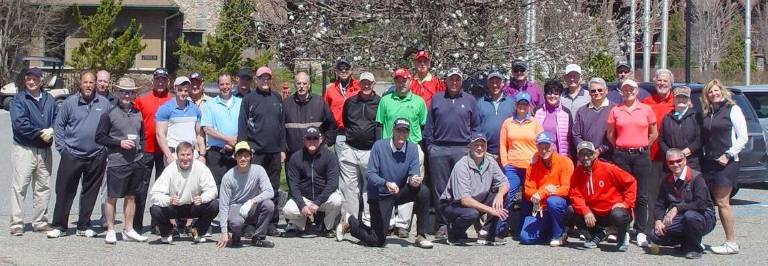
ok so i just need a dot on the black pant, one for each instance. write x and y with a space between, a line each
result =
205 213
619 218
459 218
272 165
639 165
441 162
381 212
71 170
157 161
686 229
219 161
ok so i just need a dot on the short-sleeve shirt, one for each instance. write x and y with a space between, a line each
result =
632 126
411 107
221 116
471 180
181 122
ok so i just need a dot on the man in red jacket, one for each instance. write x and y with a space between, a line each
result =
424 83
601 195
337 92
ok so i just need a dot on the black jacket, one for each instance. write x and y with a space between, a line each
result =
299 115
691 194
314 177
262 122
359 116
682 133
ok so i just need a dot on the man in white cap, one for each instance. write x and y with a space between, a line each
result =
574 97
178 120
121 130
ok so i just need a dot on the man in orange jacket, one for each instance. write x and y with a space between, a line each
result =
601 195
547 182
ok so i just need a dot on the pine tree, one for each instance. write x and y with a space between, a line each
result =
732 62
676 41
104 49
601 65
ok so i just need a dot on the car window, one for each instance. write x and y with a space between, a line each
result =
759 101
742 101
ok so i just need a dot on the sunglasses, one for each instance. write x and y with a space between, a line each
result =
595 90
265 78
674 162
312 138
518 70
343 69
622 71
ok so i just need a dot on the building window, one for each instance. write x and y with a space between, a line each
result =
193 37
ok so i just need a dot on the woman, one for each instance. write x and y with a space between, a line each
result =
631 128
554 117
517 145
725 134
681 129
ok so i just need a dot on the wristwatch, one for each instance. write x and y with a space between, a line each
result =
729 156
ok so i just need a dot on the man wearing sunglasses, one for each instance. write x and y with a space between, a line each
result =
623 72
591 121
337 92
684 209
519 82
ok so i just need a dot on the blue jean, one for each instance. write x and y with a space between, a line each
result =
551 224
516 177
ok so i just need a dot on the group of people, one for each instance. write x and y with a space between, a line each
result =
597 162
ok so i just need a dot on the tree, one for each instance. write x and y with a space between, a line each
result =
732 63
676 41
711 28
601 65
105 48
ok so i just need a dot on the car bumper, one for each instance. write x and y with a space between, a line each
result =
752 174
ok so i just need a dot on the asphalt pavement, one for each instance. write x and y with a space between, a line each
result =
750 206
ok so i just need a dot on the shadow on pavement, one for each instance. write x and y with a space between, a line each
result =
740 202
763 185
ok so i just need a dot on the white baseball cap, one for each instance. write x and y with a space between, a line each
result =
571 68
181 80
367 76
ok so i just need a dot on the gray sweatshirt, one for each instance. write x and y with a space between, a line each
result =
238 187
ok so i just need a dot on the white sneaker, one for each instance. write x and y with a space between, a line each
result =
132 235
423 242
342 227
111 237
726 248
55 233
560 241
612 238
642 240
86 233
167 240
199 239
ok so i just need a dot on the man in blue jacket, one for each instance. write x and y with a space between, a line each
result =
32 115
393 180
493 109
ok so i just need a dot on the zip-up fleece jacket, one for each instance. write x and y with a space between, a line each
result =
360 119
302 114
599 190
314 177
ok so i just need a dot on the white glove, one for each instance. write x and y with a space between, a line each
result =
246 208
46 134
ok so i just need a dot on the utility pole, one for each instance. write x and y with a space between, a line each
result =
664 31
688 25
647 41
747 41
632 35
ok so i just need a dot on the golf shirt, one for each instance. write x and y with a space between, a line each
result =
181 122
471 180
76 124
451 120
221 116
574 104
147 105
410 107
492 114
427 87
632 126
661 107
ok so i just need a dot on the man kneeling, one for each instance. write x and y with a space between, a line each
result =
477 186
185 189
245 199
684 209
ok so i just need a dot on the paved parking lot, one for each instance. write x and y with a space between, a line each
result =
751 208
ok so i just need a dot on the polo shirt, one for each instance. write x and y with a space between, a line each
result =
451 120
76 124
632 126
574 104
147 105
410 107
471 180
517 142
181 122
492 115
222 117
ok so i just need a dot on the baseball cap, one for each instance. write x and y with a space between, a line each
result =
585 145
455 71
682 91
402 73
522 96
422 54
519 65
622 64
160 72
196 76
402 123
342 61
245 73
263 70
572 68
544 137
34 72
367 76
477 136
312 132
242 145
496 74
629 82
181 80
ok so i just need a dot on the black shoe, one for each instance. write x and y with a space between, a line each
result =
693 255
596 239
401 232
442 232
272 231
155 230
329 234
262 243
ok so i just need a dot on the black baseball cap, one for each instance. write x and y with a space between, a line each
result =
519 65
245 72
160 72
402 123
34 72
312 132
342 61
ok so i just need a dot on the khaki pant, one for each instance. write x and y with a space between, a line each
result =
31 165
331 208
353 183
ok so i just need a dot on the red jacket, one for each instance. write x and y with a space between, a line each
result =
660 107
335 99
598 191
426 89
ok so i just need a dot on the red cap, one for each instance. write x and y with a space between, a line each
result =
402 72
422 54
263 70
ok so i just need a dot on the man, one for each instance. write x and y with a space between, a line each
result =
337 92
601 196
493 109
303 110
81 156
148 105
591 121
262 124
33 112
103 85
547 182
393 175
684 208
402 103
219 122
178 121
244 81
451 120
361 132
424 83
575 97
313 181
185 189
245 199
624 72
519 82
197 92
122 132
477 186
